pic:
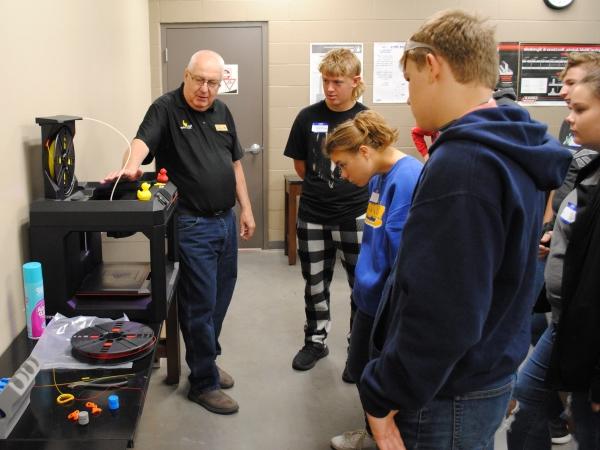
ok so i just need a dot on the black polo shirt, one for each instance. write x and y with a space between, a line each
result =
197 149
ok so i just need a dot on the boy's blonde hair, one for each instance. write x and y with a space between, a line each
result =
465 41
341 62
366 128
592 79
590 60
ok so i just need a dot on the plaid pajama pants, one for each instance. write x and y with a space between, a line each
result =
317 248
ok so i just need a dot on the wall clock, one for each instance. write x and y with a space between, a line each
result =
558 4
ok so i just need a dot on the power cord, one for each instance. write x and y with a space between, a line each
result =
112 193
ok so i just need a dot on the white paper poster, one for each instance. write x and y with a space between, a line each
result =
230 82
317 52
389 85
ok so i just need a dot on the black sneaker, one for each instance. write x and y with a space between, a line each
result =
346 375
308 356
559 431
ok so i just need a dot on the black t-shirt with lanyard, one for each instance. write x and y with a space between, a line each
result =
326 198
197 149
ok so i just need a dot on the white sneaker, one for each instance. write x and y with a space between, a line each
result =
559 431
353 440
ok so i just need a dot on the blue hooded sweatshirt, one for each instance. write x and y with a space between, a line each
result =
455 317
381 235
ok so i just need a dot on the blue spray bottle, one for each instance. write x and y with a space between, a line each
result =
35 309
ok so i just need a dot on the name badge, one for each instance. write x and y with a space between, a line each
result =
569 213
319 127
220 127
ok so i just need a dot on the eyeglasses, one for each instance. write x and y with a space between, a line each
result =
411 45
211 84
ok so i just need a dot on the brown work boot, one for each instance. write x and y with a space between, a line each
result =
225 380
215 401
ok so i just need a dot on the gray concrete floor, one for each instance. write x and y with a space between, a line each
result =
280 409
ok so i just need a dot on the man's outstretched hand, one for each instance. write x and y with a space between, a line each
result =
127 174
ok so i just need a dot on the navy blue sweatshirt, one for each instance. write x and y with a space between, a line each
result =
456 318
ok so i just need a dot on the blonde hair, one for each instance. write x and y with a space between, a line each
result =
465 41
588 59
341 62
367 128
593 80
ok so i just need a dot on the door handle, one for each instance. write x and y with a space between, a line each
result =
254 149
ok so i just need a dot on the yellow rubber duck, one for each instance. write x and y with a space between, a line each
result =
144 194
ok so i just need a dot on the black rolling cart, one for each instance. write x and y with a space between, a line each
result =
65 236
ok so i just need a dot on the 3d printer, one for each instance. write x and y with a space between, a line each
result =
65 236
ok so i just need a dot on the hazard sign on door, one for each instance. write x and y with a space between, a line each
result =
230 82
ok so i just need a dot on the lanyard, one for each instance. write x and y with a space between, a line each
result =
376 192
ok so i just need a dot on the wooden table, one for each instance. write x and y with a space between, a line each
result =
293 189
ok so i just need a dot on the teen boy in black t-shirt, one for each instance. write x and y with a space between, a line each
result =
329 206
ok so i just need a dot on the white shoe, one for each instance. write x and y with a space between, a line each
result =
353 440
559 431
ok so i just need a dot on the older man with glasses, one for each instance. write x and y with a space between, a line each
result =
193 136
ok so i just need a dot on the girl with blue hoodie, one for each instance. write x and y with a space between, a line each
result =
362 149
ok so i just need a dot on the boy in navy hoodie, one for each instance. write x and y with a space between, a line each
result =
453 326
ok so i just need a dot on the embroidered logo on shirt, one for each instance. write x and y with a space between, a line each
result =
374 214
185 125
220 127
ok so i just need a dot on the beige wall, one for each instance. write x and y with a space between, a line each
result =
76 57
293 24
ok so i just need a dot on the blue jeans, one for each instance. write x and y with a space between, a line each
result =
208 260
587 422
539 323
529 430
538 320
465 422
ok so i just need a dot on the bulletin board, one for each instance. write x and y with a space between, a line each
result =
540 65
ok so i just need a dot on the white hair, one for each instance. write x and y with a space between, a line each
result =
206 54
